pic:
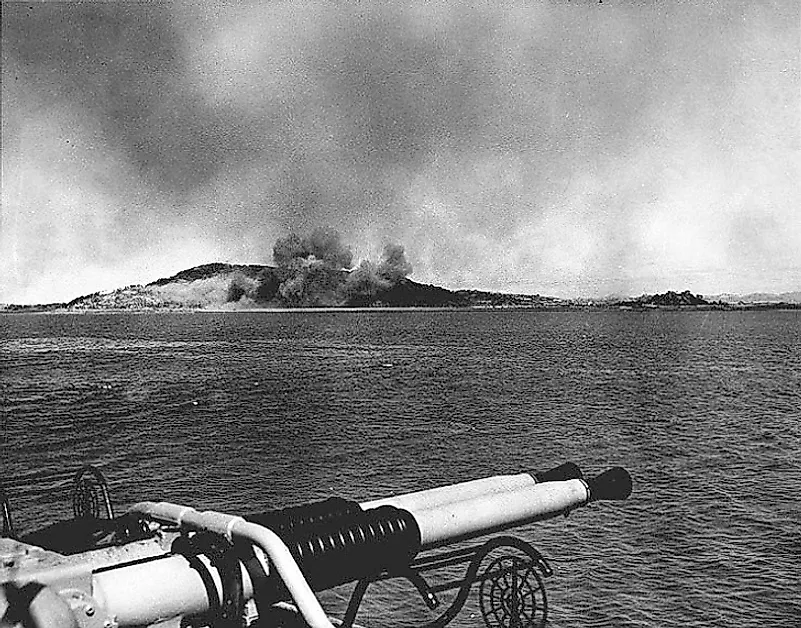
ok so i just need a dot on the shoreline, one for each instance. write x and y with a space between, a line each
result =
567 307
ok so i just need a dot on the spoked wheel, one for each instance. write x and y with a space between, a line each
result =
511 590
512 594
89 493
85 500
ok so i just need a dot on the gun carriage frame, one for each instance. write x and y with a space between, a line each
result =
511 588
311 547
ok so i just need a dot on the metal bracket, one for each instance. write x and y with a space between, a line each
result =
511 593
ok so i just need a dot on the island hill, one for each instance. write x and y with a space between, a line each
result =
221 286
235 286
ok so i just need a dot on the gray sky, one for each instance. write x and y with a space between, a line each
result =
567 148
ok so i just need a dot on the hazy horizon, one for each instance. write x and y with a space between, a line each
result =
571 149
219 291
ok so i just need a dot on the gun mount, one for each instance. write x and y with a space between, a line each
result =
169 564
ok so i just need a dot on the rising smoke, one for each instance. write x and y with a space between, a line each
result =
314 271
368 280
552 141
225 291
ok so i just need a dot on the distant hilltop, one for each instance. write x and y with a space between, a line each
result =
758 298
220 286
668 299
235 287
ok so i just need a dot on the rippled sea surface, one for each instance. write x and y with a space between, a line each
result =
251 411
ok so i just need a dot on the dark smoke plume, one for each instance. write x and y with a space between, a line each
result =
368 280
394 266
311 268
551 146
322 245
314 271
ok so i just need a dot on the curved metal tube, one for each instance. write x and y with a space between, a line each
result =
232 526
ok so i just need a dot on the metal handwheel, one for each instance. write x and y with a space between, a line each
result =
512 594
511 588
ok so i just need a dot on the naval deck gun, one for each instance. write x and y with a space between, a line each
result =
167 564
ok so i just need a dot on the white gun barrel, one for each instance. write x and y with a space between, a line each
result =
453 513
497 511
464 491
444 515
150 591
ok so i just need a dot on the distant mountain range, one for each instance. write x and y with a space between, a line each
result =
220 286
758 297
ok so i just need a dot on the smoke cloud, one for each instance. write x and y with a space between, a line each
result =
323 246
369 279
312 270
315 271
554 147
233 291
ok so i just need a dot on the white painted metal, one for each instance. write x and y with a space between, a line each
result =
145 593
272 545
148 592
483 514
442 495
151 591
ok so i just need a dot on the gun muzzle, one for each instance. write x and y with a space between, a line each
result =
321 545
465 491
501 505
612 484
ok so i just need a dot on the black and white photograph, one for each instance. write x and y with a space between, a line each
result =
400 314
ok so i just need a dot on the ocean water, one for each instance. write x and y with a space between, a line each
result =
249 411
